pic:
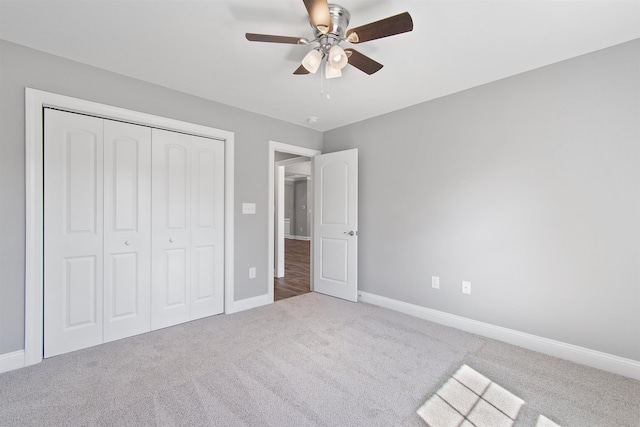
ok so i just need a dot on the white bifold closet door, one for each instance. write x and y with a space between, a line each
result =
188 228
127 229
115 267
73 237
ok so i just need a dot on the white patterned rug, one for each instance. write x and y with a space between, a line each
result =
470 399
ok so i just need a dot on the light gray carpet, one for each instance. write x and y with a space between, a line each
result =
305 361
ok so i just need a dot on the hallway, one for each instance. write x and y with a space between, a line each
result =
296 270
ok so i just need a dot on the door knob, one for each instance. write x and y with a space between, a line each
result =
170 240
351 233
127 242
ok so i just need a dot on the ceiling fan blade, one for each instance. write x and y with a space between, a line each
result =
363 62
275 39
393 25
301 70
319 15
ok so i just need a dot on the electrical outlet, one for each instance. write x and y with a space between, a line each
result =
466 287
435 282
252 273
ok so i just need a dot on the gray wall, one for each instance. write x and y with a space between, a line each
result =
301 208
296 207
20 67
528 187
289 206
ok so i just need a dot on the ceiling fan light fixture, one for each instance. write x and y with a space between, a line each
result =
337 57
330 24
311 61
332 72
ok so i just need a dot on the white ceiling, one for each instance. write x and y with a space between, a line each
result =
198 47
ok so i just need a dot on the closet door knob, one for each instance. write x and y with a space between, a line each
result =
170 240
127 242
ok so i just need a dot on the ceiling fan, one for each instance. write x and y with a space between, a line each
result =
329 23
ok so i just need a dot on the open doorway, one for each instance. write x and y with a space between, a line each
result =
290 257
334 231
293 271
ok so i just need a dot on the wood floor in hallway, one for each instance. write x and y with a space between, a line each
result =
296 280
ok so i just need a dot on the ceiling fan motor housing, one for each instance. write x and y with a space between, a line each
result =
339 22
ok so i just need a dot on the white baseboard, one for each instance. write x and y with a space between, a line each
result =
11 361
597 359
248 303
292 237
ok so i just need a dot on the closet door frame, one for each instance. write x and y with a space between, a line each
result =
35 102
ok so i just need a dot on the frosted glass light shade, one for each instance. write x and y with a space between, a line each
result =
332 72
337 57
312 61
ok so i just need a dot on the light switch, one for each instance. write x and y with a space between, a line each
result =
249 208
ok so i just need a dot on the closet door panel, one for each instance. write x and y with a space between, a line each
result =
204 274
207 227
171 216
175 262
127 259
122 301
80 292
73 231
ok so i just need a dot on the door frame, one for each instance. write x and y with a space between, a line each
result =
291 149
35 101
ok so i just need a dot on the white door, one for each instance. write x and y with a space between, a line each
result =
127 230
335 225
187 228
73 236
171 203
207 227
